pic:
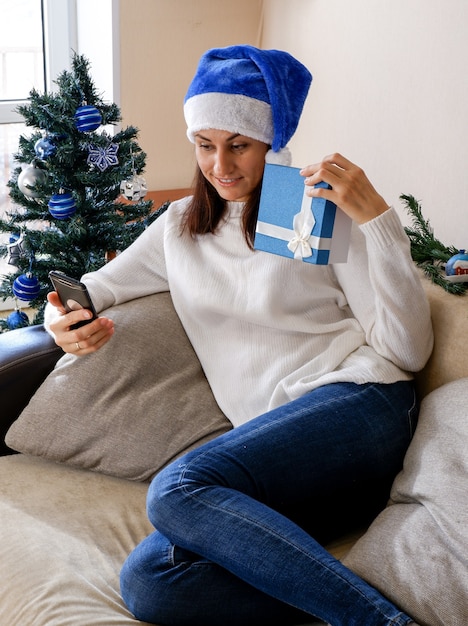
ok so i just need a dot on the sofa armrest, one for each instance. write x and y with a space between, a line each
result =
27 355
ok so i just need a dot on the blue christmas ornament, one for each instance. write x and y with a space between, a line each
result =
26 287
456 267
45 148
17 319
62 205
87 118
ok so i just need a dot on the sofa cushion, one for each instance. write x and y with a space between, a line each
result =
448 360
131 407
416 550
65 534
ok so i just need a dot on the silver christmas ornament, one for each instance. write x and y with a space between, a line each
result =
29 178
133 188
15 248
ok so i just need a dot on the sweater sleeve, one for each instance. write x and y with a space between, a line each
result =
138 271
385 294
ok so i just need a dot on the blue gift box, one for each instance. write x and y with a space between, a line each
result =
293 225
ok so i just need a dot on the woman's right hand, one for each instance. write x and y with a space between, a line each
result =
83 340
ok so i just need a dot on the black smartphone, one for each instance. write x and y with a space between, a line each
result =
73 295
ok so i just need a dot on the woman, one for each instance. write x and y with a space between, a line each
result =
312 364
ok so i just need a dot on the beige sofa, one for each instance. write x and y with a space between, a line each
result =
72 503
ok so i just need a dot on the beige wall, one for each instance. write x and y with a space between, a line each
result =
161 42
390 91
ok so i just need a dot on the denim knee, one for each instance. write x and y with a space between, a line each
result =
146 577
165 494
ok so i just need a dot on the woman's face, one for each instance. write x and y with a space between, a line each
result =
232 163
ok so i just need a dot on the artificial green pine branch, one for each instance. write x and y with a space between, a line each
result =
426 250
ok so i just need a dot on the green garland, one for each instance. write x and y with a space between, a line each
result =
428 252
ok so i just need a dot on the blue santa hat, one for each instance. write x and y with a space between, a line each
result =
253 92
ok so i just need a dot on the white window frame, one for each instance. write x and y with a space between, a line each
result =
60 36
63 20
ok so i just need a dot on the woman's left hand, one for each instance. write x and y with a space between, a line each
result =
351 189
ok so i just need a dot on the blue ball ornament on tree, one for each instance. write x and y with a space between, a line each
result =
87 118
26 287
45 148
17 319
62 205
456 268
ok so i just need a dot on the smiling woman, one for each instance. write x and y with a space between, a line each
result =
232 163
295 354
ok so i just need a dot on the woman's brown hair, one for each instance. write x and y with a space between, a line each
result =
207 209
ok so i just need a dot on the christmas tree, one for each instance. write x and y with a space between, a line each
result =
69 212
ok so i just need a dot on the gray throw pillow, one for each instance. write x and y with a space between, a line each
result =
131 407
416 550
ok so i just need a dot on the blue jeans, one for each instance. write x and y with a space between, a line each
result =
240 519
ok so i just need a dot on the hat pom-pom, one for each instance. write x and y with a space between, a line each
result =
282 157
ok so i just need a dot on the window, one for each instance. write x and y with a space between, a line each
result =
21 68
21 49
36 37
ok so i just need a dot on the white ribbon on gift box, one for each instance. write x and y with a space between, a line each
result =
299 238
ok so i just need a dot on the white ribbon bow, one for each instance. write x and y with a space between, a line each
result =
303 223
300 240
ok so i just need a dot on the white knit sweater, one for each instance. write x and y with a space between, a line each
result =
267 329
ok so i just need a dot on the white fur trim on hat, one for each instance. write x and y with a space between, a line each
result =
282 157
232 112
